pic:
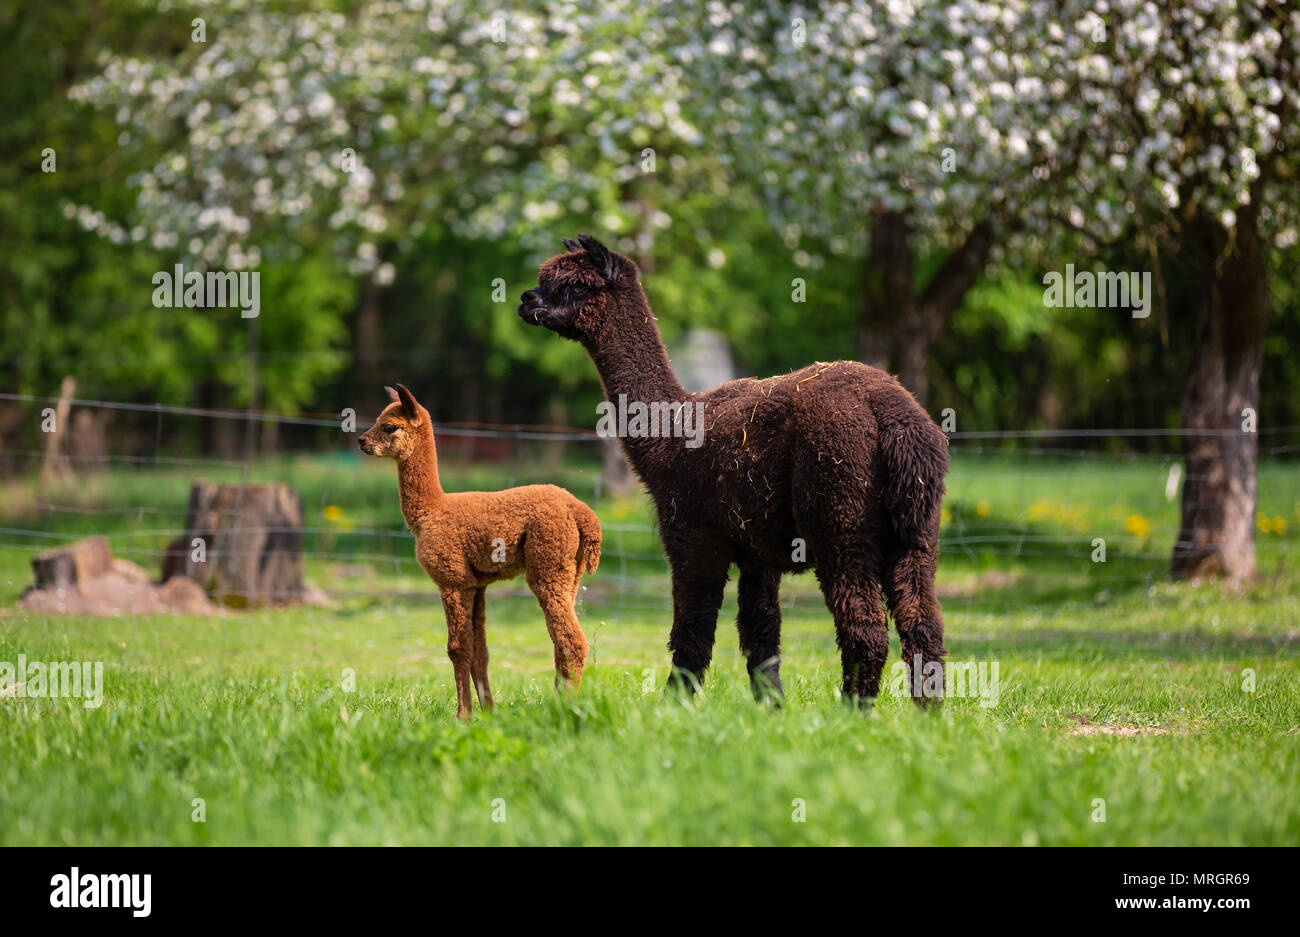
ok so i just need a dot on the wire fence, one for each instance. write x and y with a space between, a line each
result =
1032 525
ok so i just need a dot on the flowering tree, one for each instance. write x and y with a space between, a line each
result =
362 129
1047 130
897 132
283 132
1195 146
893 132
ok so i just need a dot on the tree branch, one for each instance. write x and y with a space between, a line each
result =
953 280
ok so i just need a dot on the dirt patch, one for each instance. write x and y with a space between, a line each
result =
971 586
1084 727
1122 731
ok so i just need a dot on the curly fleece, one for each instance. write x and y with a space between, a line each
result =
468 540
834 467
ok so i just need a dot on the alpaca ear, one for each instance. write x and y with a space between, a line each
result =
600 255
570 245
392 394
409 405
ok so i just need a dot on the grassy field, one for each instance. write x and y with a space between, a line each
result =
1120 695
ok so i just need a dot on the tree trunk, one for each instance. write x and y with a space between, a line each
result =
55 462
367 341
251 544
898 327
1220 400
886 290
912 353
87 443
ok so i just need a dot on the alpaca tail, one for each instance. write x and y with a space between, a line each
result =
916 462
589 538
915 453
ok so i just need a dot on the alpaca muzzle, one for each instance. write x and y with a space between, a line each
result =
530 306
534 310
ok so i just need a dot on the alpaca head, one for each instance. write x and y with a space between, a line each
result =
401 425
585 293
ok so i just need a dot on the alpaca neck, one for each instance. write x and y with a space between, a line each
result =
635 363
417 482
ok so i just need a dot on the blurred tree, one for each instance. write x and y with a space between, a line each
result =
358 134
895 133
900 149
75 284
455 146
1194 146
1045 128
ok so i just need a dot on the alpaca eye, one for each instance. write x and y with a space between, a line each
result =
578 293
390 428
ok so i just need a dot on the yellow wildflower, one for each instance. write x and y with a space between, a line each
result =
1138 526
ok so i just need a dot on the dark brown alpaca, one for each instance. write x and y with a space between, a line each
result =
834 467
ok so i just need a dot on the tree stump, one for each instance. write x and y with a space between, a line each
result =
72 565
242 544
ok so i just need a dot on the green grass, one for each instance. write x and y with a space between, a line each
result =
248 711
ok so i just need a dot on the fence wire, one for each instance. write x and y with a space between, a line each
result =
1013 537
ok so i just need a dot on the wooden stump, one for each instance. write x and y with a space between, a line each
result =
73 564
242 543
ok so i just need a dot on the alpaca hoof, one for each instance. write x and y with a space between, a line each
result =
861 703
767 689
682 683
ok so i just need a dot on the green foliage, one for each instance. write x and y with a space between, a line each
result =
477 156
75 303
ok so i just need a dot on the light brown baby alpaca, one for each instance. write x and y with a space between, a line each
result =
468 540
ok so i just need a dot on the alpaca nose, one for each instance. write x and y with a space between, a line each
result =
361 443
528 296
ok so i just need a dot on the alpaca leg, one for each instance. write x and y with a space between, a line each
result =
576 626
570 645
759 624
458 605
479 659
909 584
696 600
554 591
570 648
854 598
577 589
